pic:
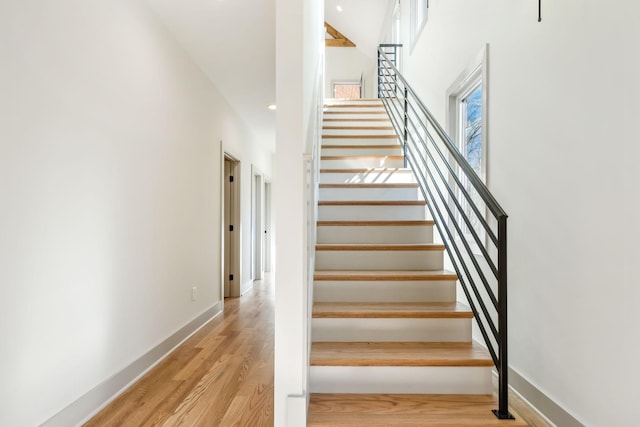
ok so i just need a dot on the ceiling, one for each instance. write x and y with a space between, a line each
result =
233 41
360 21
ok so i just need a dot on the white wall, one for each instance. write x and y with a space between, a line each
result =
344 64
298 64
563 153
110 192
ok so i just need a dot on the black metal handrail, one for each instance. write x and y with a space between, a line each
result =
472 224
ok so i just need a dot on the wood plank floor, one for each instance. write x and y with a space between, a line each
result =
221 376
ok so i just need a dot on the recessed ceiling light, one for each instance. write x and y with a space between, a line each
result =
272 107
339 8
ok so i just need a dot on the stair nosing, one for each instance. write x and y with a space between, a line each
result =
363 354
376 223
357 127
380 156
365 170
383 275
389 136
361 146
370 185
396 310
372 203
380 247
358 119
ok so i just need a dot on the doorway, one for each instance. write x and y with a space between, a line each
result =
257 224
268 240
231 226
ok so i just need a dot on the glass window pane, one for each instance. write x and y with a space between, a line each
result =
472 143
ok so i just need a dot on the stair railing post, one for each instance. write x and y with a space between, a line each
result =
406 127
503 362
379 75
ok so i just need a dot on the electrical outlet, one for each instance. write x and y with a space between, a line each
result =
194 293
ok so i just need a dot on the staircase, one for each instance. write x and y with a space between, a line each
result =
391 346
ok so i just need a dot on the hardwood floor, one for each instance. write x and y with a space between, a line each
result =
221 376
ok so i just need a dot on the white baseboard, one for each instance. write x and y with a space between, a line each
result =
538 402
93 401
246 287
297 410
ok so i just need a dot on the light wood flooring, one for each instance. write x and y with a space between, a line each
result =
221 376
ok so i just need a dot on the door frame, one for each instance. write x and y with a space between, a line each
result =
257 223
235 220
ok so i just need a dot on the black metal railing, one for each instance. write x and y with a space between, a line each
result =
391 54
470 221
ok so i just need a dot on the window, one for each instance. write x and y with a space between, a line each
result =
467 108
347 90
395 23
418 19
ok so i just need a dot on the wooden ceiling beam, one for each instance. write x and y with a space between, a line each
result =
338 40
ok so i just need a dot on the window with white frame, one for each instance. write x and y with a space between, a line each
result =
395 23
419 10
467 109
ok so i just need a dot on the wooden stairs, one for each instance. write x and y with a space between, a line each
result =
391 345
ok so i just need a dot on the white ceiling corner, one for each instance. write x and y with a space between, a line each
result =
234 44
233 41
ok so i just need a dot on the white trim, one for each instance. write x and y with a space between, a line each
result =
93 401
536 401
476 71
474 74
415 26
297 410
235 287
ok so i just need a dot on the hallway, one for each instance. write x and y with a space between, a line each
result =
221 376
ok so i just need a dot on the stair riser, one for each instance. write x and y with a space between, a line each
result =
346 213
390 330
362 162
375 234
406 380
379 260
390 177
367 151
359 141
401 291
355 193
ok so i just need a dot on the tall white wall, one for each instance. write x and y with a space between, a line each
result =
348 64
110 196
562 159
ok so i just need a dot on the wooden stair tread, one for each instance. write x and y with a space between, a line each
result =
359 119
377 223
358 127
371 185
362 146
360 105
379 247
389 136
373 156
405 410
371 203
399 354
395 310
383 275
379 111
364 170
